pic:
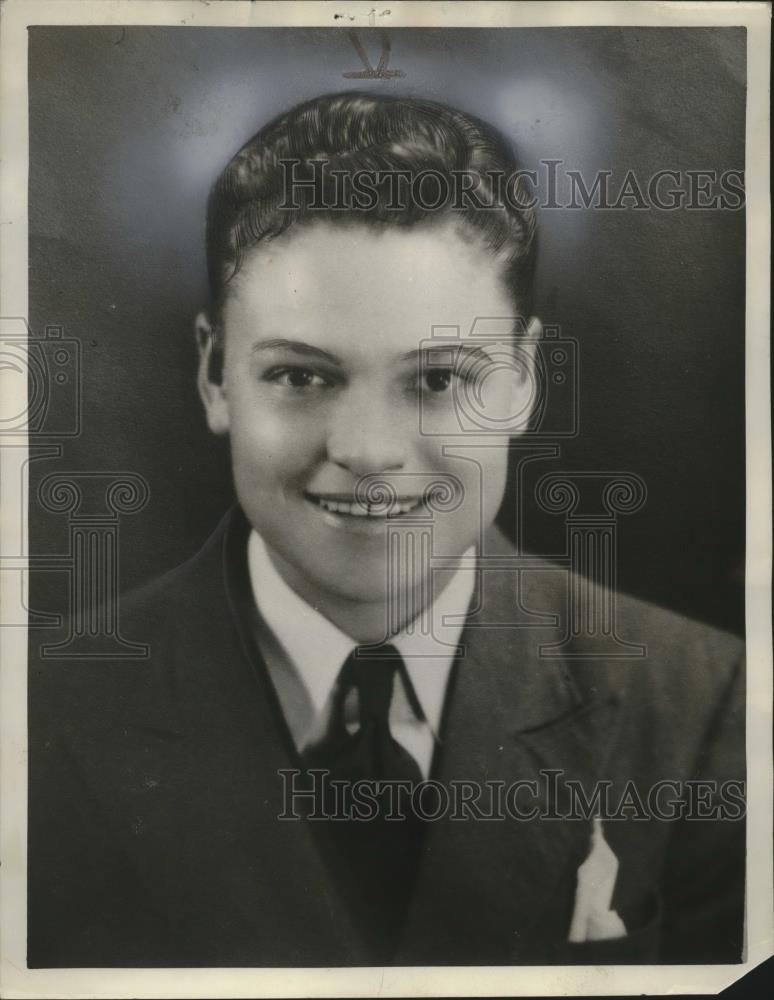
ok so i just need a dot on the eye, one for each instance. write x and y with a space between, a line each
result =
439 379
296 378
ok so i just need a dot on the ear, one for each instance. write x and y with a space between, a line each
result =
525 387
209 380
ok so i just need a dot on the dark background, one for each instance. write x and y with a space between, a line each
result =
129 127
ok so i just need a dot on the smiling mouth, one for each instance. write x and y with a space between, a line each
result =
357 508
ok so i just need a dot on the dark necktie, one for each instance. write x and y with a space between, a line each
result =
373 862
371 753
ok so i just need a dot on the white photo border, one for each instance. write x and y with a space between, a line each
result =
15 979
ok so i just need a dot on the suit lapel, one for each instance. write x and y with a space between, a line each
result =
504 887
193 759
321 929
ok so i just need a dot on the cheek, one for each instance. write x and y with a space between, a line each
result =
482 474
268 446
484 483
495 478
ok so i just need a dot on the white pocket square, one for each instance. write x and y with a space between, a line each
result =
592 918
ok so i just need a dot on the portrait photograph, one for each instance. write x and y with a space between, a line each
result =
386 518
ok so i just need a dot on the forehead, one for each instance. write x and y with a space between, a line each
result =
359 286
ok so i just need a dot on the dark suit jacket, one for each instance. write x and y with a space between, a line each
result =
154 792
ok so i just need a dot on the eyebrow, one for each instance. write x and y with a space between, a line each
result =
296 347
445 348
307 350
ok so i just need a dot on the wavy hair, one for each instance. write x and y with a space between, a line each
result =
352 134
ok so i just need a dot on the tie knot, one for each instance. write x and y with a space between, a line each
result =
371 671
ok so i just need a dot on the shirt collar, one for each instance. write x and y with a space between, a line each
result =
318 649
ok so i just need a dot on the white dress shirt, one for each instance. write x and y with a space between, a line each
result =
304 653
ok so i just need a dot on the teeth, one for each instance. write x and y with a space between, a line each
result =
360 510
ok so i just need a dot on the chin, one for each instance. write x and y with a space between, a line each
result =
371 589
356 584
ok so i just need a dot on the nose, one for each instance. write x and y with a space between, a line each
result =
364 434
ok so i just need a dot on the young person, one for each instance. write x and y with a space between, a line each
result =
356 619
